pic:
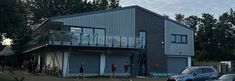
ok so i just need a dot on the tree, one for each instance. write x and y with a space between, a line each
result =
179 18
40 10
192 21
114 4
206 37
224 33
232 16
13 23
10 17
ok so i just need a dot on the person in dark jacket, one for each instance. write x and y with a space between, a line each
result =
126 68
81 69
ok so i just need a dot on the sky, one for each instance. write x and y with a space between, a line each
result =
186 7
172 7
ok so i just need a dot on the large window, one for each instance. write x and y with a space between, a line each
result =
176 38
99 36
143 39
86 35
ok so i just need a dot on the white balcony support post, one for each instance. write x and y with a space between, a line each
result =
102 63
189 61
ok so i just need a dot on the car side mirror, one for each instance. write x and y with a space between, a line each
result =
194 74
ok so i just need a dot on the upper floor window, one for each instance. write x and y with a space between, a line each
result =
143 38
176 38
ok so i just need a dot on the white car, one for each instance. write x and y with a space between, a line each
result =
199 73
226 77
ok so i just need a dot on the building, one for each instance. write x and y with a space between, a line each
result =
146 40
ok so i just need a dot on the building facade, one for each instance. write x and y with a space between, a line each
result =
147 41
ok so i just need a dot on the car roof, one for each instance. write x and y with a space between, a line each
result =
229 74
201 67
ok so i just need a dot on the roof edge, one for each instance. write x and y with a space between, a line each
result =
93 12
121 8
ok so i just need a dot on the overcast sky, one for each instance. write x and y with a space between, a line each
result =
186 7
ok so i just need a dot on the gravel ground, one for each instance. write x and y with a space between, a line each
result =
39 77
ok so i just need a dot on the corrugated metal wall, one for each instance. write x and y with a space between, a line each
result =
119 61
176 64
118 23
174 48
91 63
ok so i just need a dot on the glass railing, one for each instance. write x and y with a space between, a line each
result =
80 39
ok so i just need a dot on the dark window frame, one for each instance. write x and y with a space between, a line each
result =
181 39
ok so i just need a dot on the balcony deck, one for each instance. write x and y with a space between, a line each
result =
66 38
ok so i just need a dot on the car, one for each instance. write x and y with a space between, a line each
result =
226 77
195 73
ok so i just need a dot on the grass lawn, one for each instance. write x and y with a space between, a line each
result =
2 79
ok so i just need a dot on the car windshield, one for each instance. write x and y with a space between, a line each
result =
227 77
188 70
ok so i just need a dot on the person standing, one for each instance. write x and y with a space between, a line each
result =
126 68
113 67
81 71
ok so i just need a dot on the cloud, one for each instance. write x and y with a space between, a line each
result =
187 7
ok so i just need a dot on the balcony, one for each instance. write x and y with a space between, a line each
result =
67 38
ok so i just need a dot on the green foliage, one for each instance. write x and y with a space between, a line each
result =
179 18
17 16
212 36
192 21
11 17
40 10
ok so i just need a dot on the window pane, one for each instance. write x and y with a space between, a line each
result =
199 71
143 38
184 39
178 38
76 34
173 37
99 36
87 36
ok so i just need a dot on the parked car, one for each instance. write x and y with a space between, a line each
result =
226 77
199 73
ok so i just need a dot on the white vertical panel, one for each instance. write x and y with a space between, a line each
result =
102 63
174 48
65 64
189 61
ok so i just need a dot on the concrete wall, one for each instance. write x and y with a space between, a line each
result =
153 25
118 23
177 48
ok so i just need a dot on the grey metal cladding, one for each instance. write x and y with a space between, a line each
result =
117 23
186 49
153 25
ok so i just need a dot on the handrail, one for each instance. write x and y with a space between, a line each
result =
82 39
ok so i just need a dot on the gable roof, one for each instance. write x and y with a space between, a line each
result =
117 9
